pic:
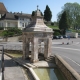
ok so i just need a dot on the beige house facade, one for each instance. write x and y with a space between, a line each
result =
19 20
16 19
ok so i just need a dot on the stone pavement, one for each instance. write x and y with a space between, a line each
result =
12 70
27 63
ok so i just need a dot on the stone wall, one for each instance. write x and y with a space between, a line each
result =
15 39
66 69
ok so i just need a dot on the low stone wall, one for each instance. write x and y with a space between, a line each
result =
14 39
66 69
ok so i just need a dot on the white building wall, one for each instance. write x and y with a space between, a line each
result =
23 22
1 23
20 23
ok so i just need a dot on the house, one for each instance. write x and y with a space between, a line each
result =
16 19
19 20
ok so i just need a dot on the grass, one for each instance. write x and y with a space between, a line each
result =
78 31
53 27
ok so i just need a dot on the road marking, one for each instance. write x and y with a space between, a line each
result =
72 60
74 43
67 48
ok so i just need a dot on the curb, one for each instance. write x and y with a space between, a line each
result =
68 67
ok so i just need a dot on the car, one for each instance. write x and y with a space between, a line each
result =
60 37
65 36
55 37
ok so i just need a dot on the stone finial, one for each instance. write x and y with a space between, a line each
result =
37 7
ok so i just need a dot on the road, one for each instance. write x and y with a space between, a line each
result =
71 52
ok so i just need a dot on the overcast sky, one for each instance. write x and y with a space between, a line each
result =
27 6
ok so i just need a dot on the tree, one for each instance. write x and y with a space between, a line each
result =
63 23
33 13
47 14
73 13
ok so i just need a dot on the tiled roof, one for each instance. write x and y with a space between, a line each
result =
24 15
2 8
15 16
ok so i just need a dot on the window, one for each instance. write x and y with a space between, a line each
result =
2 24
8 24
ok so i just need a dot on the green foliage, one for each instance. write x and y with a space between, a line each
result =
33 13
53 27
73 13
56 33
5 33
11 32
52 23
63 23
1 28
47 14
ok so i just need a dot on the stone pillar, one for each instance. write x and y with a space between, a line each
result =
39 45
24 46
34 53
27 48
47 47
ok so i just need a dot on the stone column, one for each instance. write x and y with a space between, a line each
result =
24 47
27 48
34 53
39 45
47 47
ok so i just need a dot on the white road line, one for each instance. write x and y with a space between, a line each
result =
67 48
72 60
74 43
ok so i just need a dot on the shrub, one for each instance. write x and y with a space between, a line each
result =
56 33
52 23
1 28
11 32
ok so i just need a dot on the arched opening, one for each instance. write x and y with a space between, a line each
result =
41 49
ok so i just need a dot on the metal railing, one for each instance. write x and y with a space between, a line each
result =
2 62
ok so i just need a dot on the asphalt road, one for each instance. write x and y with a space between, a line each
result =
71 52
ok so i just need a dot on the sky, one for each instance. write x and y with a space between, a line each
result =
27 6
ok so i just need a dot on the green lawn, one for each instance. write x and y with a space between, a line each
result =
53 27
78 31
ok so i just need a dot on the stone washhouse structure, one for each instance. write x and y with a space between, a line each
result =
35 33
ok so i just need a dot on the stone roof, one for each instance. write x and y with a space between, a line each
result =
2 8
37 25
